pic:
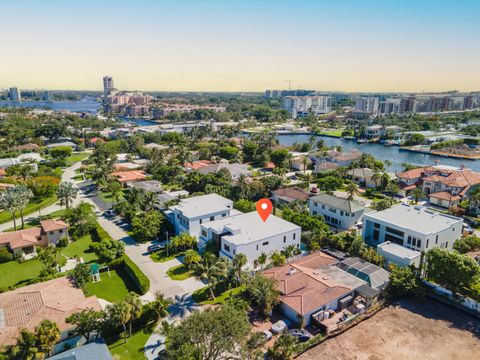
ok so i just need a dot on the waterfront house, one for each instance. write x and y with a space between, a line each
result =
235 169
414 227
367 177
248 234
338 212
336 157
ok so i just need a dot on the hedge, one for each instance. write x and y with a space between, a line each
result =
137 275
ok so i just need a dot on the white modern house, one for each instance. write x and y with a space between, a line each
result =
338 212
398 254
191 213
414 227
248 234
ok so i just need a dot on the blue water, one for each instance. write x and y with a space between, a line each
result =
90 106
383 153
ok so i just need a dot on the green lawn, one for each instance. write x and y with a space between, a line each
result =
107 196
76 157
202 296
133 349
14 273
161 256
81 249
32 207
180 272
114 287
336 132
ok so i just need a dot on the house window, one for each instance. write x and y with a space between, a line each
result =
294 236
212 218
50 233
226 247
60 231
265 243
436 239
376 226
257 247
427 243
419 243
376 235
224 214
341 213
204 233
453 229
314 213
323 206
446 245
284 239
409 240
200 221
315 204
234 252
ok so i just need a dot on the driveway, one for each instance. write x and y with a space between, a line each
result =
156 272
68 175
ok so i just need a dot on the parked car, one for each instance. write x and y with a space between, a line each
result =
467 228
154 248
110 213
300 334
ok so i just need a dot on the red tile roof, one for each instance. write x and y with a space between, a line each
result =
292 193
26 307
304 288
21 238
3 172
133 175
197 164
444 195
53 224
411 174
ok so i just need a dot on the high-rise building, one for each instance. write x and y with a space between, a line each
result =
302 105
15 94
107 85
47 96
367 104
407 105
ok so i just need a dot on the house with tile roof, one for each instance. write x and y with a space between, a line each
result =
24 242
28 306
338 212
445 186
311 284
129 176
288 195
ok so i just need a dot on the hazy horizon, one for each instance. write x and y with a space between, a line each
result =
242 46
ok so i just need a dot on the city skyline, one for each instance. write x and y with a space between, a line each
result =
368 46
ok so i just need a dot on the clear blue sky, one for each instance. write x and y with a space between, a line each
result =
352 45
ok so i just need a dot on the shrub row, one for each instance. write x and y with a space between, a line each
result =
134 271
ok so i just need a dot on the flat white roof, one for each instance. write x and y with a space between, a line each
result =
415 218
202 205
398 250
249 227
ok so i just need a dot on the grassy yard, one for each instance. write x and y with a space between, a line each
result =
32 207
335 133
107 196
81 249
180 272
202 296
14 273
161 256
76 157
114 287
133 348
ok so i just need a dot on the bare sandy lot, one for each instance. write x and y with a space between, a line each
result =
408 330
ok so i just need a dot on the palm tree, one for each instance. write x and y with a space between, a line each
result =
136 307
48 335
418 193
239 261
384 179
377 176
283 348
120 314
474 196
66 193
262 259
26 346
352 190
161 304
305 162
9 200
387 163
24 196
392 188
212 269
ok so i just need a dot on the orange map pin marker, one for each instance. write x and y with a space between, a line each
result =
264 208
